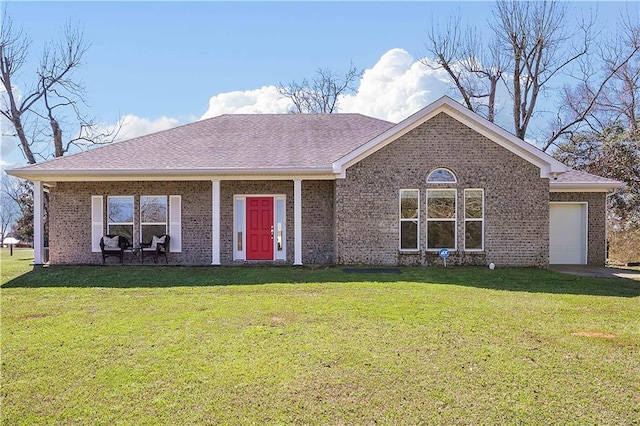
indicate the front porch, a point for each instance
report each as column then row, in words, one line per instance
column 206, row 220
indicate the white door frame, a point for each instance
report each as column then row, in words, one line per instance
column 242, row 254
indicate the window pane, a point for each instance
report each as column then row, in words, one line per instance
column 153, row 209
column 120, row 209
column 409, row 235
column 473, row 204
column 408, row 204
column 279, row 224
column 441, row 175
column 239, row 223
column 473, row 235
column 122, row 230
column 441, row 204
column 148, row 231
column 441, row 234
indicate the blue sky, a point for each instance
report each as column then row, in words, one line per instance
column 168, row 63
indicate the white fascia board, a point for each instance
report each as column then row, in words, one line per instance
column 547, row 164
column 318, row 173
column 584, row 186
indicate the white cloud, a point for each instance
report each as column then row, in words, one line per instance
column 4, row 165
column 396, row 87
column 133, row 126
column 265, row 100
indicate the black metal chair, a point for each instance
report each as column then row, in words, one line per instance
column 117, row 251
column 158, row 246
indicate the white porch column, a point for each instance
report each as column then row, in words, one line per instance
column 297, row 222
column 215, row 222
column 38, row 226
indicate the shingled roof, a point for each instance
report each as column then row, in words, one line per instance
column 284, row 145
column 232, row 142
column 574, row 179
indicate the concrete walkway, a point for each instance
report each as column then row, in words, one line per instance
column 596, row 271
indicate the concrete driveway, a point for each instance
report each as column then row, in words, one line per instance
column 596, row 271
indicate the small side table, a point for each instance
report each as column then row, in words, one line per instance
column 134, row 252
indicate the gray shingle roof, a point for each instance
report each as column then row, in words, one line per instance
column 232, row 142
column 576, row 176
column 256, row 143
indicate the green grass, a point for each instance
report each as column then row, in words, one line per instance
column 172, row 345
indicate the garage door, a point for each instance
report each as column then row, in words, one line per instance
column 568, row 233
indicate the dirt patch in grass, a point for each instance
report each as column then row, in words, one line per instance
column 279, row 319
column 36, row 316
column 594, row 334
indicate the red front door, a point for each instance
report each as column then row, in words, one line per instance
column 259, row 228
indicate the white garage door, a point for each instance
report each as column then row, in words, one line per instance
column 568, row 233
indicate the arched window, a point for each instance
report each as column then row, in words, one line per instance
column 441, row 175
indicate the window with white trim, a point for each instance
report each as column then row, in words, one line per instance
column 441, row 219
column 120, row 216
column 409, row 219
column 280, row 228
column 474, row 219
column 153, row 216
column 238, row 226
column 441, row 175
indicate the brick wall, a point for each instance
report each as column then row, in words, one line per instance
column 596, row 213
column 70, row 210
column 317, row 217
column 230, row 188
column 70, row 223
column 516, row 198
column 317, row 222
column 355, row 220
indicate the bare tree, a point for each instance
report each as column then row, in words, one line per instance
column 8, row 214
column 474, row 69
column 321, row 94
column 530, row 47
column 10, row 209
column 607, row 93
column 53, row 101
column 605, row 135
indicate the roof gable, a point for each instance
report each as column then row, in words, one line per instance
column 548, row 165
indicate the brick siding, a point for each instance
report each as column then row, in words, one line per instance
column 70, row 218
column 516, row 199
column 355, row 220
column 70, row 211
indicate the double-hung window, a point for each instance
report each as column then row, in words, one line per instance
column 120, row 216
column 153, row 216
column 474, row 219
column 441, row 219
column 409, row 219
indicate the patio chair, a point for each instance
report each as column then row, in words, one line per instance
column 113, row 245
column 159, row 246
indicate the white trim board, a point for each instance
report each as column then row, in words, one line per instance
column 547, row 164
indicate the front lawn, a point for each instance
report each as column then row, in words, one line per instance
column 173, row 345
